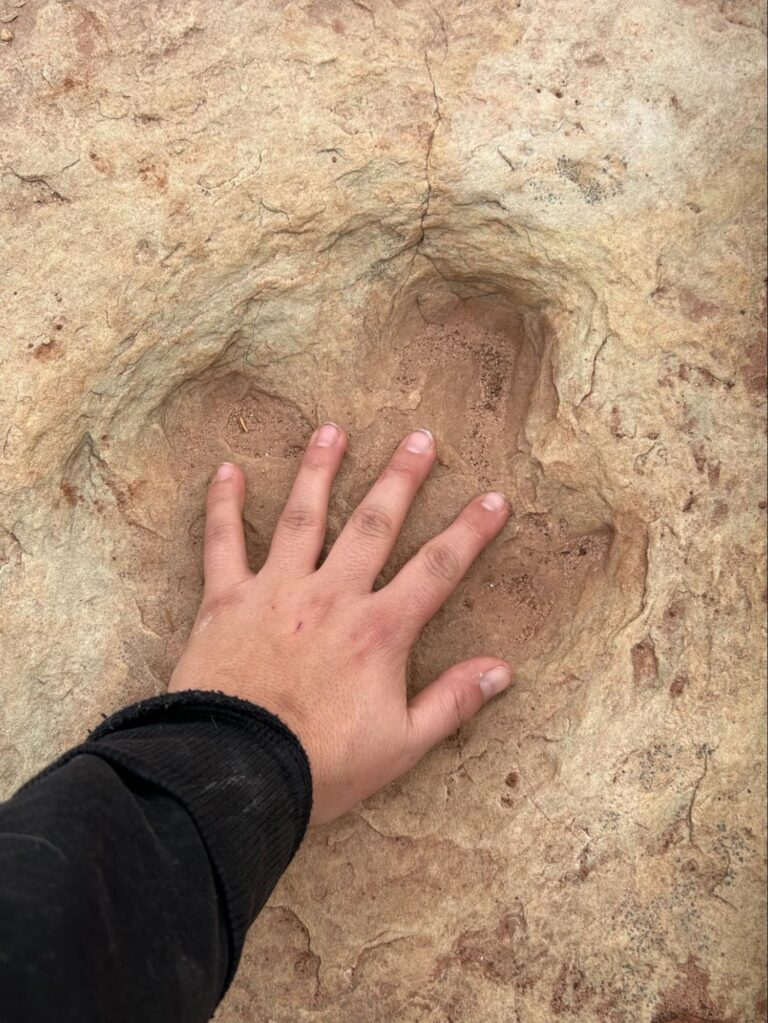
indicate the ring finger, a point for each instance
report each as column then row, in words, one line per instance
column 366, row 541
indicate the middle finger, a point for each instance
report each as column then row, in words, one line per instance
column 366, row 541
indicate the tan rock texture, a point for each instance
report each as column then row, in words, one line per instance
column 535, row 227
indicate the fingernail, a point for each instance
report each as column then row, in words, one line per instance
column 225, row 471
column 494, row 680
column 494, row 502
column 327, row 435
column 419, row 442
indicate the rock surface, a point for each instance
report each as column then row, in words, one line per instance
column 535, row 228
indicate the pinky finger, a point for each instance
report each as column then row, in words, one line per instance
column 225, row 562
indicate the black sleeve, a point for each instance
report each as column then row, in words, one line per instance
column 132, row 867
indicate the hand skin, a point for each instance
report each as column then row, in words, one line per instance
column 317, row 646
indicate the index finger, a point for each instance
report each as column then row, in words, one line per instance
column 423, row 585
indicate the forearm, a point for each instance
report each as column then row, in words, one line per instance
column 133, row 866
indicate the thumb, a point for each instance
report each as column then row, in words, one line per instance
column 453, row 698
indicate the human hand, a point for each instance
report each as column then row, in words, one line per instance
column 317, row 646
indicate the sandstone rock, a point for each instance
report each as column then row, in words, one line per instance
column 536, row 229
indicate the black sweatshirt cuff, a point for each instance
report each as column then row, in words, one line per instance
column 239, row 772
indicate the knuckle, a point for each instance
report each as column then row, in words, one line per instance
column 218, row 497
column 398, row 469
column 220, row 532
column 462, row 707
column 319, row 607
column 371, row 521
column 441, row 561
column 375, row 632
column 216, row 605
column 299, row 520
column 315, row 462
column 474, row 528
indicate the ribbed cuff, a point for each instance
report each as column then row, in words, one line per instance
column 240, row 773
